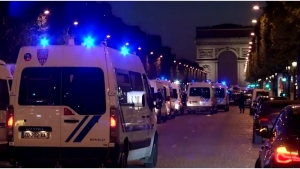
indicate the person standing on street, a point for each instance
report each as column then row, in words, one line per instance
column 242, row 100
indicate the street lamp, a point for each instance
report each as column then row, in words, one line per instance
column 107, row 36
column 75, row 23
column 250, row 43
column 254, row 21
column 250, row 47
column 252, row 34
column 139, row 48
column 127, row 43
column 46, row 12
column 295, row 82
column 151, row 53
column 160, row 56
column 256, row 7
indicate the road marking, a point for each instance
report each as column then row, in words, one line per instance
column 174, row 146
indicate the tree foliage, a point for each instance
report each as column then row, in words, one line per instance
column 277, row 39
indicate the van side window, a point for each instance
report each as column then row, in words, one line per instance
column 130, row 87
column 147, row 89
column 4, row 95
column 83, row 90
column 40, row 86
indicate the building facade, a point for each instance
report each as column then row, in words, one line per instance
column 222, row 52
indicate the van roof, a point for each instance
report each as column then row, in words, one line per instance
column 200, row 84
column 76, row 55
column 219, row 85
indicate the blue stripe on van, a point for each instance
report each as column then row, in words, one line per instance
column 77, row 128
column 87, row 129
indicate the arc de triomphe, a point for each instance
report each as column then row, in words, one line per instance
column 222, row 51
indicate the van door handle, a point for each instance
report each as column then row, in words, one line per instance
column 71, row 121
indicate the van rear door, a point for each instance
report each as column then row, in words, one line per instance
column 37, row 110
column 84, row 121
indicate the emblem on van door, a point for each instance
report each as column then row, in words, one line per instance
column 27, row 57
column 42, row 56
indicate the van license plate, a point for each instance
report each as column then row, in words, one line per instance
column 35, row 135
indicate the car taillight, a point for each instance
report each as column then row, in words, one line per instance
column 10, row 124
column 263, row 119
column 282, row 155
column 113, row 124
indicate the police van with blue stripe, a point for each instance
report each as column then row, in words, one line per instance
column 87, row 104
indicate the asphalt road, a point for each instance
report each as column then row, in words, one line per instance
column 220, row 140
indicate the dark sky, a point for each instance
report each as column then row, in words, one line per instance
column 176, row 22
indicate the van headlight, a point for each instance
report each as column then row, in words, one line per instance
column 177, row 106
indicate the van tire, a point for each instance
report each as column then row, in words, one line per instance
column 152, row 160
column 124, row 156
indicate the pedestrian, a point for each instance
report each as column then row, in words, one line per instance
column 214, row 104
column 242, row 100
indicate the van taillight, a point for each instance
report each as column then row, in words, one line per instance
column 10, row 123
column 113, row 124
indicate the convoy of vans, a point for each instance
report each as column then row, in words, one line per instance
column 69, row 104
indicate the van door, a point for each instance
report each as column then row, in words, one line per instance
column 85, row 119
column 4, row 101
column 37, row 112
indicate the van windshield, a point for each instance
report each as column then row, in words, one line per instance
column 200, row 91
column 4, row 94
column 220, row 92
column 82, row 89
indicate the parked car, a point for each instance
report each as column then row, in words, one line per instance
column 281, row 148
column 266, row 116
column 266, row 98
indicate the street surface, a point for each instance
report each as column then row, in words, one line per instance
column 220, row 140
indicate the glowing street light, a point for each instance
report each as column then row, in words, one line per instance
column 139, row 48
column 249, row 51
column 127, row 44
column 294, row 64
column 248, row 54
column 174, row 61
column 250, row 43
column 151, row 53
column 250, row 47
column 254, row 21
column 160, row 56
column 256, row 7
column 107, row 36
column 46, row 12
column 75, row 23
column 252, row 34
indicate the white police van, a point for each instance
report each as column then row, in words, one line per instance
column 199, row 97
column 5, row 78
column 162, row 109
column 220, row 92
column 176, row 99
column 74, row 104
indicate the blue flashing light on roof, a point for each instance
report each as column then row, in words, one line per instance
column 89, row 42
column 162, row 78
column 223, row 83
column 193, row 80
column 124, row 51
column 44, row 42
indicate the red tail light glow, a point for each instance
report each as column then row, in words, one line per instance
column 263, row 119
column 68, row 112
column 283, row 156
column 10, row 121
column 113, row 122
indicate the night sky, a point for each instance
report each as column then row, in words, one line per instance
column 176, row 22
